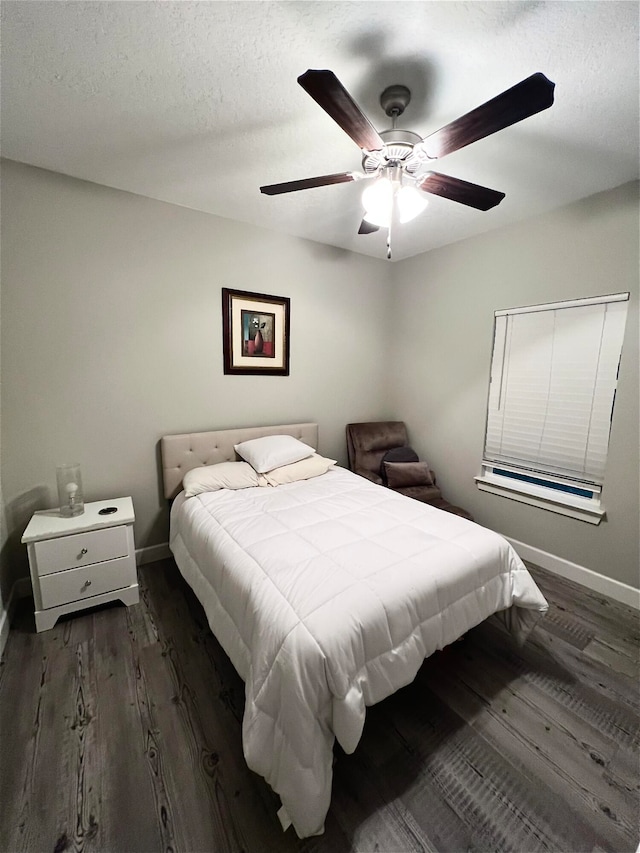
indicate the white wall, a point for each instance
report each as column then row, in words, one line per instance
column 112, row 337
column 4, row 581
column 443, row 336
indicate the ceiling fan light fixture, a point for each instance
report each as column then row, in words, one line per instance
column 377, row 200
column 411, row 203
column 399, row 161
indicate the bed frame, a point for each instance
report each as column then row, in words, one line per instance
column 181, row 453
column 304, row 689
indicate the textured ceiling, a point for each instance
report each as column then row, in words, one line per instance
column 196, row 103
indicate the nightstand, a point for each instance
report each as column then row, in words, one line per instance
column 81, row 561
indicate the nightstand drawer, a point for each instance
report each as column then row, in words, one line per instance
column 80, row 549
column 78, row 584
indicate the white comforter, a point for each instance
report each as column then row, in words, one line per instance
column 327, row 595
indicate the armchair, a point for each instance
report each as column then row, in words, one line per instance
column 380, row 452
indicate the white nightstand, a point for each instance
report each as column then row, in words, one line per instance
column 81, row 561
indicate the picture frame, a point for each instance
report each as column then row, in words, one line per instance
column 255, row 333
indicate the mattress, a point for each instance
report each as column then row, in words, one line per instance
column 327, row 595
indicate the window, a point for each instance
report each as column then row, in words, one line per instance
column 554, row 373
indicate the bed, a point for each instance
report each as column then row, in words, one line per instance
column 327, row 594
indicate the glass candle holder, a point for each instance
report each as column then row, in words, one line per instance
column 70, row 492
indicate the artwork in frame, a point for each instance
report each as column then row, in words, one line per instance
column 255, row 333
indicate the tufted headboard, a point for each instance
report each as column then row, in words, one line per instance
column 181, row 453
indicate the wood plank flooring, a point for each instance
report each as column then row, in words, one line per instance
column 120, row 730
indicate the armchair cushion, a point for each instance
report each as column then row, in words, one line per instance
column 400, row 475
column 399, row 454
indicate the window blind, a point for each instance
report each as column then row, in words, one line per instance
column 554, row 372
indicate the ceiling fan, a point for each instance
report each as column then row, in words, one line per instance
column 400, row 159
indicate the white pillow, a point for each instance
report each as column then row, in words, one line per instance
column 224, row 475
column 312, row 466
column 272, row 451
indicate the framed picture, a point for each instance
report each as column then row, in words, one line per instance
column 255, row 333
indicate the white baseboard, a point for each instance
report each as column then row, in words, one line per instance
column 20, row 589
column 152, row 553
column 617, row 590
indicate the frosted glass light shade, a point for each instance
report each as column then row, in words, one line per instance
column 410, row 203
column 377, row 200
column 70, row 494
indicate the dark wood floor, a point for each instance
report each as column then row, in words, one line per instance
column 120, row 730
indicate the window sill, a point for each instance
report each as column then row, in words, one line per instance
column 584, row 510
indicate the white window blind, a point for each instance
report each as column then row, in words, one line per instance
column 554, row 372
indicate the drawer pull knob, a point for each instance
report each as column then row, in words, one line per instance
column 83, row 552
column 86, row 584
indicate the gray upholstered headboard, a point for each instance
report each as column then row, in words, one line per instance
column 181, row 453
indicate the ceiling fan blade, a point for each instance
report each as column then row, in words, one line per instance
column 308, row 183
column 482, row 198
column 525, row 99
column 327, row 91
column 367, row 227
